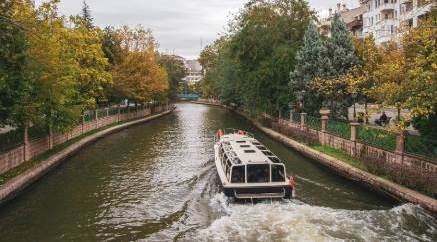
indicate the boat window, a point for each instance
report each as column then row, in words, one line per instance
column 261, row 147
column 278, row 173
column 241, row 141
column 268, row 153
column 244, row 146
column 249, row 151
column 238, row 174
column 275, row 159
column 256, row 143
column 258, row 173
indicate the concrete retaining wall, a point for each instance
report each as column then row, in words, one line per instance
column 12, row 188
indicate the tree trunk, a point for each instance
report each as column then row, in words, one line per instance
column 366, row 118
column 399, row 114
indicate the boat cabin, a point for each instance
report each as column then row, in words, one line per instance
column 245, row 160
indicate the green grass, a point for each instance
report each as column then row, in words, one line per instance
column 4, row 178
column 341, row 155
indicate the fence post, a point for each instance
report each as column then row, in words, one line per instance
column 83, row 121
column 400, row 145
column 96, row 117
column 291, row 116
column 354, row 134
column 26, row 153
column 107, row 112
column 325, row 117
column 302, row 121
column 118, row 114
column 50, row 137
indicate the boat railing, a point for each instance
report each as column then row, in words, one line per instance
column 235, row 131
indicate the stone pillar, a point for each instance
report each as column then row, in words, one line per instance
column 354, row 134
column 291, row 116
column 118, row 113
column 26, row 153
column 83, row 122
column 324, row 119
column 302, row 120
column 50, row 137
column 107, row 112
column 96, row 117
column 400, row 145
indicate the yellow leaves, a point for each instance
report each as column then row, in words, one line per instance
column 139, row 77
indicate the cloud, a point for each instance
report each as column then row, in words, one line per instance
column 178, row 25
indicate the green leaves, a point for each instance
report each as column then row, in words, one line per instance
column 250, row 66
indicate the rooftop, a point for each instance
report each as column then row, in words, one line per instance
column 243, row 149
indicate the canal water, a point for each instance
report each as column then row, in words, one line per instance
column 157, row 182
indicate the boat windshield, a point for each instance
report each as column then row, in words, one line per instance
column 238, row 174
column 259, row 173
column 278, row 173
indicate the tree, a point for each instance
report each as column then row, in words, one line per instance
column 252, row 67
column 391, row 87
column 340, row 49
column 176, row 71
column 111, row 45
column 139, row 77
column 310, row 64
column 340, row 59
column 14, row 85
column 86, row 15
column 85, row 46
column 362, row 77
column 50, row 96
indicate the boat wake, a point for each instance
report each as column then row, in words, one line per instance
column 297, row 221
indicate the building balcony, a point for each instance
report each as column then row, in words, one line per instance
column 387, row 7
column 386, row 22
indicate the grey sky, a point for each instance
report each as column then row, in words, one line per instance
column 180, row 26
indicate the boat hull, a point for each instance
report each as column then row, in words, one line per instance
column 281, row 192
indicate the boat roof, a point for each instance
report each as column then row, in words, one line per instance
column 243, row 149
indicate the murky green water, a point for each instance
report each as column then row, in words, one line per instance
column 157, row 182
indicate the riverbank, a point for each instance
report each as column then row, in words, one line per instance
column 346, row 170
column 11, row 188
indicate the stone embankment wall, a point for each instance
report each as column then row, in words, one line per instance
column 28, row 150
column 354, row 148
column 13, row 187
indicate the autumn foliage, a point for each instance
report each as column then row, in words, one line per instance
column 60, row 66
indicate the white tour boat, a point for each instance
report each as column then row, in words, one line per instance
column 247, row 169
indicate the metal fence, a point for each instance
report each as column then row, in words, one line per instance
column 313, row 122
column 11, row 139
column 418, row 145
column 339, row 127
column 377, row 137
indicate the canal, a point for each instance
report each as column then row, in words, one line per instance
column 157, row 182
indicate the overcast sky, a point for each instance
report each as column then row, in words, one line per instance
column 180, row 26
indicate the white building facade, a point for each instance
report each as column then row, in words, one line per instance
column 385, row 19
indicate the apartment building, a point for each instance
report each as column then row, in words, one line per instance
column 194, row 71
column 386, row 19
column 352, row 17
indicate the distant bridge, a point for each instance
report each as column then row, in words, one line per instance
column 189, row 97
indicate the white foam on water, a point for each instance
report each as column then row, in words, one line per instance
column 297, row 221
